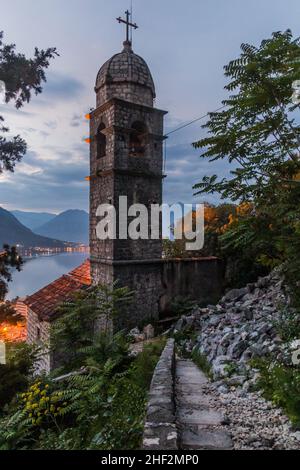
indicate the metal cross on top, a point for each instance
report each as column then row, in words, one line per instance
column 128, row 24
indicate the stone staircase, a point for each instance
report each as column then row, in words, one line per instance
column 180, row 413
column 199, row 424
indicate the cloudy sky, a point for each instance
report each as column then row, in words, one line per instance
column 185, row 44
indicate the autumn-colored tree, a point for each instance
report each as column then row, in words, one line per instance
column 215, row 219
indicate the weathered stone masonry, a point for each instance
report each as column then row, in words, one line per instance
column 130, row 165
column 199, row 279
column 160, row 431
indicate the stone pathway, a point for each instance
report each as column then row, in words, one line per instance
column 200, row 426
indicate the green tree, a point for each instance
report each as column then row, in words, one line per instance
column 21, row 77
column 9, row 258
column 258, row 133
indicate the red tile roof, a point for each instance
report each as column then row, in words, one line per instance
column 45, row 302
column 83, row 273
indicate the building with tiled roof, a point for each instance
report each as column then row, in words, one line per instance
column 45, row 302
column 42, row 307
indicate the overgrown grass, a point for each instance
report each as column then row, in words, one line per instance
column 201, row 361
column 142, row 369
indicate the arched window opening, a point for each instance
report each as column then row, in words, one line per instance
column 101, row 141
column 138, row 139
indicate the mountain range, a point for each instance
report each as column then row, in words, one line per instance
column 12, row 232
column 71, row 225
column 33, row 220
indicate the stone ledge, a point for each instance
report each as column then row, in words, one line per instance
column 113, row 101
column 114, row 262
column 160, row 432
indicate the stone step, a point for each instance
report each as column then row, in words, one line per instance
column 185, row 363
column 188, row 371
column 191, row 380
column 204, row 417
column 196, row 416
column 188, row 389
column 204, row 439
column 193, row 399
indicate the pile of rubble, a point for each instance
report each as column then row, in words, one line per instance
column 240, row 327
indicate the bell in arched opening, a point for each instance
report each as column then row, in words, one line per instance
column 138, row 139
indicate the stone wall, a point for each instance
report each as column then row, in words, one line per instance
column 145, row 281
column 38, row 332
column 200, row 279
column 157, row 283
column 160, row 432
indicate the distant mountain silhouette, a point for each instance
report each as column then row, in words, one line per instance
column 33, row 220
column 71, row 225
column 12, row 232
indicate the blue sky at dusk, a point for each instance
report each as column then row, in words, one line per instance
column 185, row 45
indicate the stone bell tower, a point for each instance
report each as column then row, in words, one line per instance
column 126, row 159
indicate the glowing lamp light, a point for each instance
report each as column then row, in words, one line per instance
column 87, row 140
column 88, row 116
column 87, row 178
column 12, row 333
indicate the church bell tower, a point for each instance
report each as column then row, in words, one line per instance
column 126, row 159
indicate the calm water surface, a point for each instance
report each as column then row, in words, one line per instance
column 38, row 272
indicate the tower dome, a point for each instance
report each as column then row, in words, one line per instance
column 126, row 76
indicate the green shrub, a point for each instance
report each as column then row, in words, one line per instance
column 231, row 368
column 128, row 394
column 124, row 418
column 73, row 338
column 182, row 338
column 182, row 306
column 281, row 385
column 142, row 368
column 15, row 374
column 99, row 407
column 288, row 325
